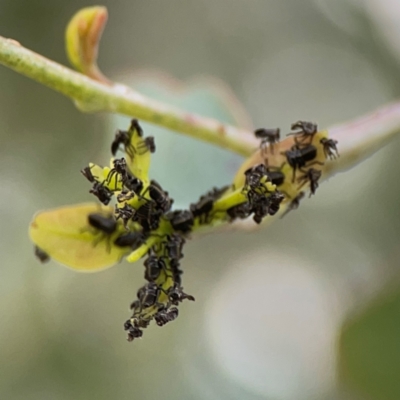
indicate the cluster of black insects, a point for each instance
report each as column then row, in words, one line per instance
column 159, row 297
column 163, row 260
column 301, row 156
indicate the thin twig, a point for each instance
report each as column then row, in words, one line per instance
column 92, row 96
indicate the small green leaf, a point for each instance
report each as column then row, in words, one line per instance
column 64, row 234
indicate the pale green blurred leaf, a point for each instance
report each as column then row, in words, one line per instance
column 370, row 351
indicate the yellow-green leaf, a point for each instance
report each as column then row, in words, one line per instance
column 64, row 234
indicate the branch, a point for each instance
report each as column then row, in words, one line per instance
column 358, row 140
column 93, row 96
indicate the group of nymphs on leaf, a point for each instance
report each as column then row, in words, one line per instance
column 142, row 223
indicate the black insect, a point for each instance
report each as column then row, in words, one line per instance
column 149, row 296
column 125, row 213
column 136, row 127
column 101, row 192
column 176, row 272
column 202, row 208
column 160, row 197
column 133, row 331
column 263, row 206
column 216, row 193
column 41, row 255
column 330, row 149
column 254, row 176
column 131, row 239
column 275, row 174
column 174, row 246
column 181, row 220
column 125, row 195
column 105, row 225
column 147, row 144
column 154, row 265
column 267, row 136
column 165, row 316
column 307, row 130
column 294, row 204
column 135, row 305
column 87, row 173
column 205, row 204
column 275, row 201
column 260, row 207
column 298, row 157
column 123, row 138
column 312, row 176
column 239, row 211
column 148, row 215
column 132, row 183
column 177, row 295
column 121, row 169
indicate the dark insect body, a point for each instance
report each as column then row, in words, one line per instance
column 41, row 255
column 125, row 195
column 276, row 199
column 260, row 208
column 101, row 192
column 181, row 220
column 147, row 144
column 120, row 168
column 268, row 137
column 216, row 192
column 148, row 215
column 174, row 246
column 312, row 175
column 239, row 211
column 160, row 197
column 126, row 213
column 123, row 138
column 254, row 175
column 105, row 224
column 263, row 206
column 205, row 204
column 149, row 296
column 276, row 177
column 163, row 317
column 87, row 173
column 330, row 149
column 129, row 181
column 136, row 127
column 307, row 131
column 132, row 183
column 306, row 128
column 153, row 267
column 131, row 239
column 298, row 157
column 177, row 295
column 202, row 207
column 176, row 272
column 133, row 331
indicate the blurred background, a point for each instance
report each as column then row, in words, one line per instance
column 308, row 308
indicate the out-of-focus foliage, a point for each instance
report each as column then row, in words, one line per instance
column 371, row 350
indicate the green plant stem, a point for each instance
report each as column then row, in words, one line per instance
column 92, row 96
